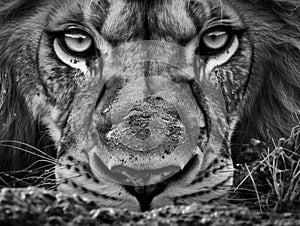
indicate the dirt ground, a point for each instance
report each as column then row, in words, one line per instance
column 34, row 206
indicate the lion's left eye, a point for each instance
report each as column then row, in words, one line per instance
column 215, row 40
column 76, row 42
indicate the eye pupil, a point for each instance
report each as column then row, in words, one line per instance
column 213, row 36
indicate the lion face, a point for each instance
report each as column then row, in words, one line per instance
column 139, row 123
column 140, row 98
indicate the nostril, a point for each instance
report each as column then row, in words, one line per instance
column 141, row 178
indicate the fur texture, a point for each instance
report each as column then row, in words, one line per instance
column 271, row 113
column 17, row 123
column 273, row 109
column 273, row 90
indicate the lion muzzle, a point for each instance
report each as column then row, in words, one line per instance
column 149, row 130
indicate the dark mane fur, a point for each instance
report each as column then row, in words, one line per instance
column 271, row 113
column 276, row 108
column 16, row 122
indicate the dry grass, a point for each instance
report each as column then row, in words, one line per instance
column 272, row 182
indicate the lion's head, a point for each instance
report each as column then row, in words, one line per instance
column 142, row 102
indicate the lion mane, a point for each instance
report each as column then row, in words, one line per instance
column 18, row 128
column 274, row 111
column 274, row 92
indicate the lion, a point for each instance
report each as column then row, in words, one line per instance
column 143, row 104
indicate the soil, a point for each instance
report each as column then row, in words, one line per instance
column 34, row 206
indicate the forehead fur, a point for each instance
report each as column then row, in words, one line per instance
column 119, row 17
column 123, row 20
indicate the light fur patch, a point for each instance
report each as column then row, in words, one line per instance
column 173, row 14
column 116, row 18
column 50, row 121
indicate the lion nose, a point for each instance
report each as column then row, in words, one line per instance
column 141, row 178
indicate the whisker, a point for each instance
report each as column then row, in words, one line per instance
column 48, row 185
column 4, row 181
column 27, row 169
column 51, row 160
column 53, row 187
column 15, row 180
column 47, row 176
column 30, row 146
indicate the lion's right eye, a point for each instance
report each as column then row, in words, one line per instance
column 73, row 47
column 76, row 42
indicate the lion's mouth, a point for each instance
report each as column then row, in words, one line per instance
column 138, row 183
column 145, row 194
